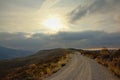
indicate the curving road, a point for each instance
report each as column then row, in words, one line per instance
column 82, row 68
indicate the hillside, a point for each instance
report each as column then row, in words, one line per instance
column 34, row 67
column 46, row 62
column 106, row 57
column 8, row 53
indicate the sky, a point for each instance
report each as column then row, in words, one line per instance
column 36, row 24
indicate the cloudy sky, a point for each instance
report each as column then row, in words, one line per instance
column 36, row 24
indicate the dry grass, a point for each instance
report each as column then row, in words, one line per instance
column 35, row 67
column 108, row 58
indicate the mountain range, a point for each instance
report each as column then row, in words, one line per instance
column 9, row 53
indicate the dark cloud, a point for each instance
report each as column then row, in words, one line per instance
column 86, row 39
column 101, row 6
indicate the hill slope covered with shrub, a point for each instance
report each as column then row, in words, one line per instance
column 34, row 67
column 108, row 58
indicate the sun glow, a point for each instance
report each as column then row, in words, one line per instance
column 54, row 24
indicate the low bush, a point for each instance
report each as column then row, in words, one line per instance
column 108, row 58
column 37, row 70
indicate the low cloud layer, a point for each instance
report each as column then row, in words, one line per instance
column 86, row 39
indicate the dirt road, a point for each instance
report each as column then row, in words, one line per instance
column 83, row 68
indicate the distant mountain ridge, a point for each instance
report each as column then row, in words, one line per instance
column 9, row 53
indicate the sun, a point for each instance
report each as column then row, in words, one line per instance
column 54, row 24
